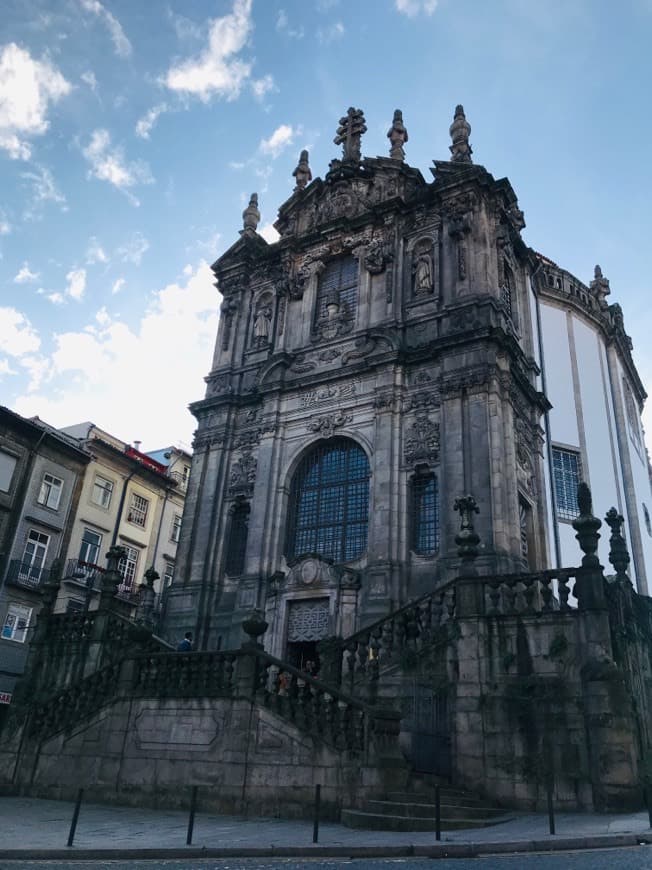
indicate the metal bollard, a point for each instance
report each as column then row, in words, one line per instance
column 648, row 801
column 437, row 813
column 551, row 810
column 315, row 827
column 191, row 818
column 75, row 817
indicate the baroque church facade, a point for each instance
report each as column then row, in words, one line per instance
column 398, row 347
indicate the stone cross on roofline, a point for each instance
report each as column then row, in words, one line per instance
column 349, row 134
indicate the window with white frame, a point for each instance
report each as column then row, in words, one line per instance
column 567, row 473
column 91, row 544
column 50, row 491
column 16, row 623
column 7, row 468
column 138, row 508
column 168, row 574
column 176, row 529
column 33, row 561
column 127, row 567
column 102, row 491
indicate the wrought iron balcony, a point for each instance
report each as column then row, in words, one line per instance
column 85, row 573
column 27, row 574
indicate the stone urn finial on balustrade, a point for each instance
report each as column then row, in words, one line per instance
column 254, row 627
column 112, row 577
column 147, row 598
column 618, row 553
column 467, row 539
column 589, row 586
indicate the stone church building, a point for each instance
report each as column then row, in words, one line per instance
column 388, row 558
column 398, row 347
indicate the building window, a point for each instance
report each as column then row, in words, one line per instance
column 329, row 502
column 74, row 605
column 33, row 563
column 127, row 567
column 425, row 514
column 138, row 510
column 168, row 574
column 176, row 529
column 16, row 623
column 632, row 414
column 338, row 286
column 7, row 467
column 237, row 545
column 567, row 472
column 50, row 491
column 646, row 517
column 507, row 290
column 102, row 491
column 91, row 544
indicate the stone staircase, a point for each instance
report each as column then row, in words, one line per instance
column 414, row 810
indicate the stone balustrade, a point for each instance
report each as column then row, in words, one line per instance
column 529, row 593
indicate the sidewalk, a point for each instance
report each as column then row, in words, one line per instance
column 34, row 828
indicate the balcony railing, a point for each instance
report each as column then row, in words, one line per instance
column 85, row 573
column 27, row 574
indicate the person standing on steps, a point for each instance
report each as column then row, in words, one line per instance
column 186, row 644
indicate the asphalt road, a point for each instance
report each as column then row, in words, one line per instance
column 638, row 858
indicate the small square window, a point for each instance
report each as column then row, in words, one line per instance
column 50, row 491
column 138, row 510
column 176, row 529
column 16, row 623
column 567, row 471
column 102, row 491
column 7, row 467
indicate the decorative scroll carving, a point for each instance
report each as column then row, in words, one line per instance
column 326, row 425
column 207, row 439
column 423, row 400
column 422, row 440
column 243, row 474
column 375, row 257
column 217, row 384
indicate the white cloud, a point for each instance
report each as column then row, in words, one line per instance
column 25, row 275
column 118, row 284
column 27, row 87
column 268, row 232
column 5, row 368
column 412, row 8
column 18, row 335
column 120, row 42
column 88, row 78
column 91, row 373
column 5, row 226
column 133, row 250
column 55, row 298
column 95, row 253
column 43, row 189
column 330, row 34
column 283, row 26
column 261, row 87
column 145, row 124
column 109, row 164
column 278, row 141
column 76, row 279
column 217, row 70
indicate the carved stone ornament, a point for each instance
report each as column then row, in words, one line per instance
column 422, row 268
column 327, row 425
column 207, row 439
column 423, row 400
column 216, row 385
column 314, row 572
column 243, row 474
column 398, row 136
column 422, row 440
column 375, row 259
column 349, row 134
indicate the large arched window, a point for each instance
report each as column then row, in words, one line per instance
column 329, row 502
column 338, row 286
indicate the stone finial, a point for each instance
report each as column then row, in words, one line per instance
column 586, row 526
column 349, row 134
column 145, row 612
column 398, row 136
column 600, row 287
column 251, row 215
column 255, row 626
column 618, row 554
column 460, row 130
column 302, row 173
column 467, row 539
column 112, row 578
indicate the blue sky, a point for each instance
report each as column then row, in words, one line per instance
column 132, row 133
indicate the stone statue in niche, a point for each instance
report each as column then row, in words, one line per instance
column 422, row 268
column 262, row 322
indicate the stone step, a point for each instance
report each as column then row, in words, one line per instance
column 452, row 798
column 427, row 810
column 380, row 822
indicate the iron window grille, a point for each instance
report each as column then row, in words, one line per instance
column 50, row 491
column 138, row 510
column 329, row 502
column 567, row 474
column 237, row 544
column 339, row 282
column 425, row 514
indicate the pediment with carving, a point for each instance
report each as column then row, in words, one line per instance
column 312, row 571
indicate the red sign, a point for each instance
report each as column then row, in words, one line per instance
column 5, row 697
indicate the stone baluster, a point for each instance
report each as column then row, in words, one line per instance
column 147, row 598
column 529, row 592
column 494, row 595
column 618, row 553
column 546, row 593
column 589, row 585
column 563, row 592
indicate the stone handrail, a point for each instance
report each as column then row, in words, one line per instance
column 359, row 659
column 529, row 593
